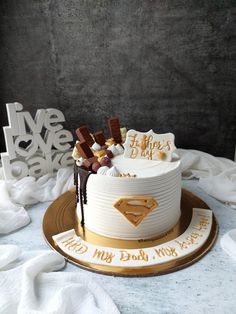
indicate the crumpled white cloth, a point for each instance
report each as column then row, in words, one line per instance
column 15, row 195
column 29, row 285
column 217, row 176
column 228, row 243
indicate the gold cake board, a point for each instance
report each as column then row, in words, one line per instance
column 61, row 216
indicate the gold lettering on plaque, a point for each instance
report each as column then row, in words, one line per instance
column 151, row 146
column 192, row 239
column 202, row 224
column 126, row 256
column 143, row 144
column 166, row 251
column 103, row 256
column 73, row 245
column 134, row 153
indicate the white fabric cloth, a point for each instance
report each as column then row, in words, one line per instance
column 228, row 243
column 217, row 176
column 15, row 195
column 29, row 285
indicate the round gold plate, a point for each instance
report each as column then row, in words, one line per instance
column 61, row 216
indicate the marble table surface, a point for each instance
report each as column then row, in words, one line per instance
column 208, row 286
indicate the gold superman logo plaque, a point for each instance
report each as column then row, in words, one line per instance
column 135, row 208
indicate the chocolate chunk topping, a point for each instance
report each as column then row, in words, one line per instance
column 95, row 166
column 105, row 161
column 114, row 127
column 84, row 150
column 88, row 162
column 99, row 138
column 83, row 135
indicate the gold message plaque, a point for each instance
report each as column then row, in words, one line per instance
column 60, row 217
column 135, row 208
column 149, row 145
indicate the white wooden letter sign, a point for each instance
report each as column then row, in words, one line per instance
column 35, row 146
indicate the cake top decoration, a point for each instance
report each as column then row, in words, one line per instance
column 149, row 145
column 93, row 151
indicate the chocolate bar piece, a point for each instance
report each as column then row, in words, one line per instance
column 89, row 162
column 114, row 126
column 84, row 150
column 99, row 138
column 84, row 135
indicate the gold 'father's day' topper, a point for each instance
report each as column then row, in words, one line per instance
column 149, row 145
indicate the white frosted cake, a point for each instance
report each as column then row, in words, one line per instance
column 121, row 195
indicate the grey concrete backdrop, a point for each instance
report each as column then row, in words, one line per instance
column 167, row 65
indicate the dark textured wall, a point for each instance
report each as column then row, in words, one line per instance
column 167, row 65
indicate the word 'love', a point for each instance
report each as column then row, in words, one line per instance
column 35, row 146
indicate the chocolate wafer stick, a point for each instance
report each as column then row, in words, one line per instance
column 99, row 138
column 114, row 127
column 84, row 150
column 84, row 135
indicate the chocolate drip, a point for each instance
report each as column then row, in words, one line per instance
column 83, row 175
column 76, row 181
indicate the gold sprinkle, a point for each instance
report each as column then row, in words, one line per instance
column 110, row 141
column 125, row 175
column 100, row 153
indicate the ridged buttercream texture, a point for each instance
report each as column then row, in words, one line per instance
column 160, row 180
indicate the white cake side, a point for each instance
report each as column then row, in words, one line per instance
column 159, row 180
